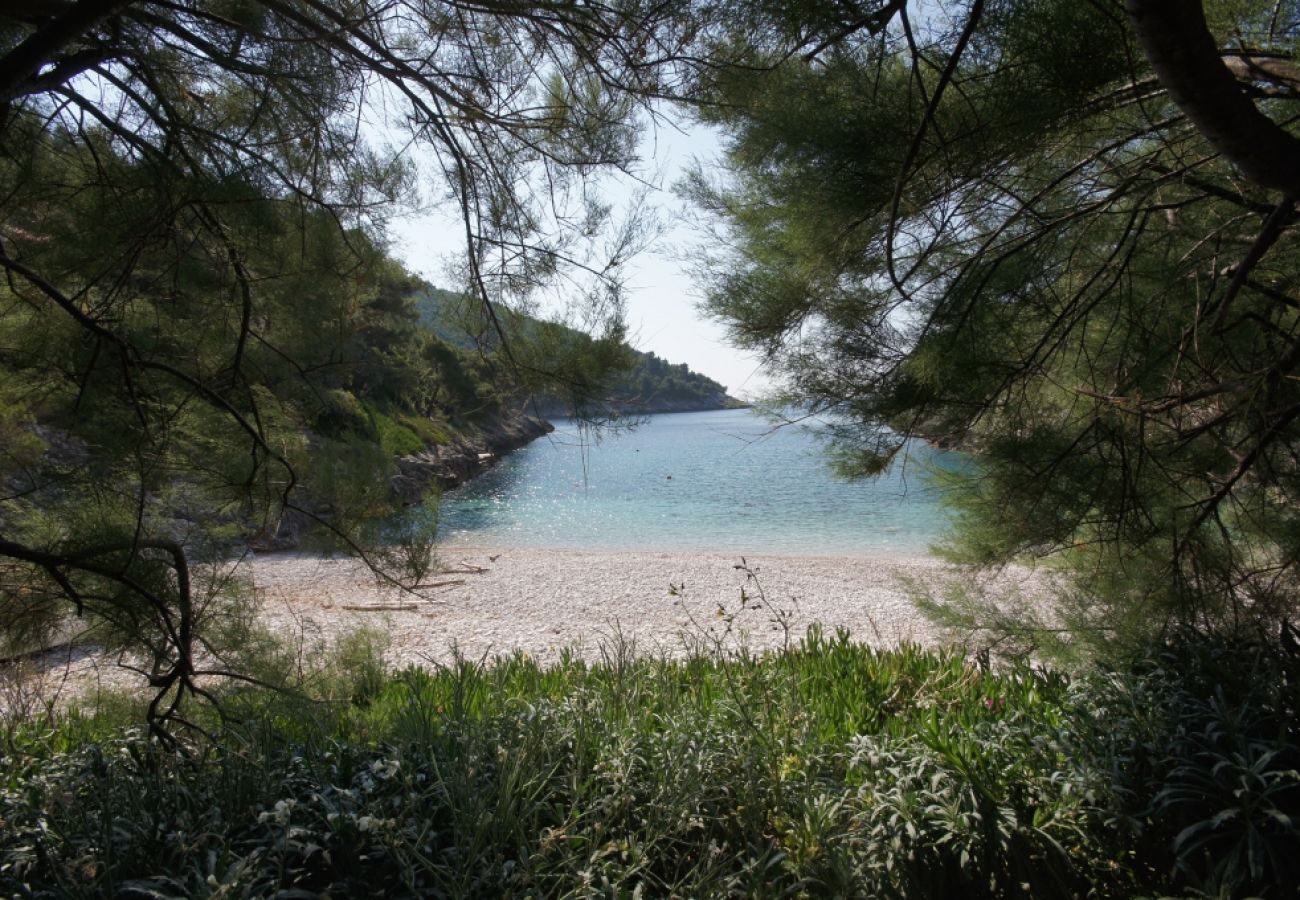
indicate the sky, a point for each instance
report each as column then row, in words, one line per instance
column 661, row 312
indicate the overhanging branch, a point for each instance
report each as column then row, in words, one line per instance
column 1178, row 44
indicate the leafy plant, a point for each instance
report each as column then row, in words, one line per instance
column 705, row 776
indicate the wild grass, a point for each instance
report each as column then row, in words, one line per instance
column 829, row 769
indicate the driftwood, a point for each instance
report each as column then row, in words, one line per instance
column 437, row 584
column 379, row 607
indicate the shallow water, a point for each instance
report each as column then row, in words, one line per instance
column 720, row 481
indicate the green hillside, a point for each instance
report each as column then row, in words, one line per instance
column 644, row 382
column 654, row 383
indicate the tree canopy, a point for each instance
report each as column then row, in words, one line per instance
column 1060, row 234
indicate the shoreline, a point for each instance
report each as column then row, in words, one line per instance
column 868, row 556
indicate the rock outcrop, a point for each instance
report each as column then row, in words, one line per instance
column 477, row 448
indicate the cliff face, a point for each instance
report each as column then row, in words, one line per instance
column 476, row 449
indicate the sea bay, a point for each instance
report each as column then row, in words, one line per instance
column 723, row 481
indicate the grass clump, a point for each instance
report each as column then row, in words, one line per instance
column 828, row 769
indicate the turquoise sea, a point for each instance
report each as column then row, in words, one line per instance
column 724, row 481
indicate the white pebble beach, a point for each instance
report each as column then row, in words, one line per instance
column 489, row 602
column 540, row 601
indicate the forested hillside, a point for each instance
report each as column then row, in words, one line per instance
column 201, row 336
column 656, row 384
column 642, row 382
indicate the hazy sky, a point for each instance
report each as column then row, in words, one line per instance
column 661, row 305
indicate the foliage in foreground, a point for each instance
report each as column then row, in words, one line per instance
column 1012, row 227
column 830, row 769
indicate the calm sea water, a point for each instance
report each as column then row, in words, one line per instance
column 720, row 481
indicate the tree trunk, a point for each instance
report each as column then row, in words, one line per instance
column 43, row 46
column 1178, row 44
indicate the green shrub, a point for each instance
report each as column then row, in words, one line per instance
column 341, row 413
column 829, row 769
column 431, row 433
column 1205, row 744
column 396, row 438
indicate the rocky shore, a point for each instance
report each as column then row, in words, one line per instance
column 477, row 448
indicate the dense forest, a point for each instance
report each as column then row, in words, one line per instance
column 1062, row 235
